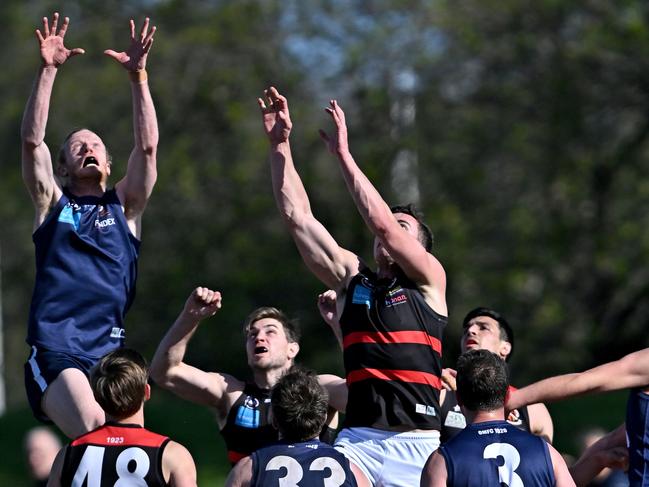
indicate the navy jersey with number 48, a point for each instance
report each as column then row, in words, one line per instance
column 308, row 464
column 497, row 453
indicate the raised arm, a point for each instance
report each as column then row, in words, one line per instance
column 167, row 367
column 630, row 371
column 404, row 247
column 332, row 264
column 141, row 173
column 38, row 173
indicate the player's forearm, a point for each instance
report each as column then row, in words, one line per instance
column 172, row 348
column 290, row 195
column 145, row 123
column 550, row 390
column 32, row 130
column 370, row 204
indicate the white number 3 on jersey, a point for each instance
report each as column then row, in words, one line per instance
column 512, row 460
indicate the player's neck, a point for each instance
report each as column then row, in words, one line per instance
column 137, row 418
column 86, row 187
column 267, row 378
column 484, row 416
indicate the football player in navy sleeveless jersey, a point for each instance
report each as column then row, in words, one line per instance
column 485, row 328
column 272, row 343
column 392, row 317
column 299, row 409
column 122, row 451
column 490, row 451
column 86, row 236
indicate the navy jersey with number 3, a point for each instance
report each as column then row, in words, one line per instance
column 308, row 464
column 496, row 453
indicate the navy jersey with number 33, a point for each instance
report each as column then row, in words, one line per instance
column 308, row 464
column 496, row 453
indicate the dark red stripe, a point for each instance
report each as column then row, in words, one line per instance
column 397, row 375
column 420, row 337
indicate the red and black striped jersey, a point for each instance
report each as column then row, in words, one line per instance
column 392, row 343
column 115, row 454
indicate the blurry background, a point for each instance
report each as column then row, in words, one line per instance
column 520, row 128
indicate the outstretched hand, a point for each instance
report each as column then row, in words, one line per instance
column 203, row 303
column 277, row 121
column 337, row 145
column 53, row 52
column 134, row 58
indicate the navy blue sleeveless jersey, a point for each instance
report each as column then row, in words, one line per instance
column 497, row 453
column 392, row 349
column 115, row 454
column 86, row 267
column 306, row 464
column 453, row 420
column 637, row 431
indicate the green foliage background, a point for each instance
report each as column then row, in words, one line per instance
column 519, row 126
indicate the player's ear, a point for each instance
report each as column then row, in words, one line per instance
column 293, row 349
column 505, row 349
column 147, row 392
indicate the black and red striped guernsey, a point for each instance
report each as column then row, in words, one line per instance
column 114, row 452
column 392, row 343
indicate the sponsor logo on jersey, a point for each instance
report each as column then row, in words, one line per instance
column 395, row 297
column 427, row 410
column 70, row 214
column 247, row 414
column 362, row 295
column 455, row 419
column 117, row 332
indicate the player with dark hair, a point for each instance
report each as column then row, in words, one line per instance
column 392, row 319
column 485, row 328
column 122, row 451
column 242, row 407
column 86, row 236
column 299, row 409
column 489, row 451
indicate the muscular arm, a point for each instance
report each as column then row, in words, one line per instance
column 420, row 266
column 37, row 171
column 541, row 421
column 330, row 263
column 561, row 474
column 178, row 466
column 241, row 474
column 168, row 369
column 630, row 371
column 434, row 473
column 135, row 188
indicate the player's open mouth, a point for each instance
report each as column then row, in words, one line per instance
column 259, row 350
column 470, row 342
column 90, row 160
